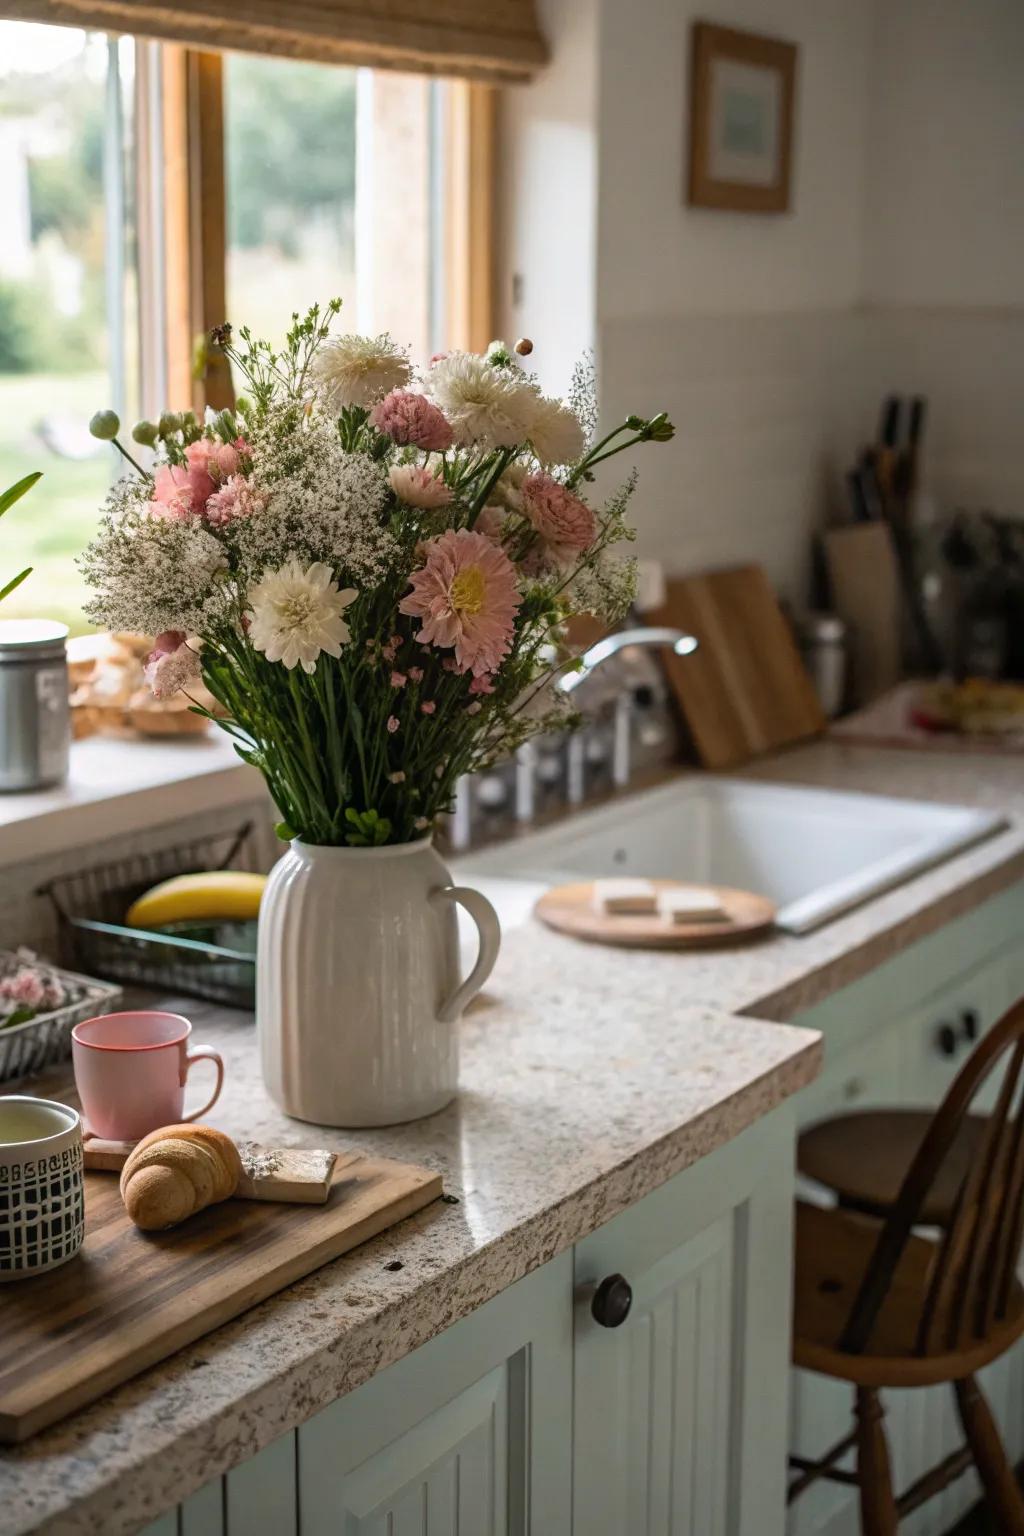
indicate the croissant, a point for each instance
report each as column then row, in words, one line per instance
column 178, row 1170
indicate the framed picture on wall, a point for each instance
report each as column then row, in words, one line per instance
column 741, row 120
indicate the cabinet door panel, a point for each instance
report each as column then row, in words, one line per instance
column 680, row 1412
column 470, row 1433
column 444, row 1476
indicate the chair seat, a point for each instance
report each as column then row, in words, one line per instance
column 833, row 1250
column 864, row 1156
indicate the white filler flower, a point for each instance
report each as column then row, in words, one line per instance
column 359, row 370
column 295, row 614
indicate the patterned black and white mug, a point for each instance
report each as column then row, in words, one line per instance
column 42, row 1203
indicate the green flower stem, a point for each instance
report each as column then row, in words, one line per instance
column 133, row 462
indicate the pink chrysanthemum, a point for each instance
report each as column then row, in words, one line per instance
column 235, row 499
column 410, row 420
column 467, row 598
column 565, row 523
column 417, row 486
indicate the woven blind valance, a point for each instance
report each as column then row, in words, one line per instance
column 496, row 40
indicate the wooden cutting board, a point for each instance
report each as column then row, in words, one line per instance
column 746, row 690
column 131, row 1298
column 570, row 909
column 864, row 579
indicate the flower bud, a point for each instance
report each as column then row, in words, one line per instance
column 498, row 355
column 169, row 423
column 524, row 346
column 145, row 432
column 659, row 429
column 105, row 425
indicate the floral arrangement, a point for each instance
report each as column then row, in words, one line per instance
column 370, row 569
column 28, row 988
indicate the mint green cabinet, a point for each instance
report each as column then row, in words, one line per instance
column 529, row 1419
column 470, row 1434
column 680, row 1412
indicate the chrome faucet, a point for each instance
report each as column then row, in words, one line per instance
column 681, row 643
column 461, row 828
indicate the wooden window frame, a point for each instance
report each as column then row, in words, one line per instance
column 194, row 220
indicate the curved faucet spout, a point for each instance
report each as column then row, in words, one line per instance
column 679, row 641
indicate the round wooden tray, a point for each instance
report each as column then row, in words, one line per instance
column 570, row 909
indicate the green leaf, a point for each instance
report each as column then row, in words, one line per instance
column 18, row 490
column 19, row 1016
column 15, row 581
column 284, row 831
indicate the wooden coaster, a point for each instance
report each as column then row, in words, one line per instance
column 570, row 909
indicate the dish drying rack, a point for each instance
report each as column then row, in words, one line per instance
column 217, row 961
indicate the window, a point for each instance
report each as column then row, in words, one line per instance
column 151, row 192
column 68, row 291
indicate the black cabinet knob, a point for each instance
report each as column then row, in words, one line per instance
column 947, row 1039
column 612, row 1301
column 970, row 1024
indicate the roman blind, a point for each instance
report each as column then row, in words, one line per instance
column 496, row 40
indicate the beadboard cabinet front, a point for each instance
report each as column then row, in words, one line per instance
column 680, row 1410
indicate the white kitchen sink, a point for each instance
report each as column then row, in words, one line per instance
column 815, row 852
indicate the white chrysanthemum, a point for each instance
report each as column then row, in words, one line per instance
column 294, row 614
column 491, row 407
column 555, row 433
column 359, row 370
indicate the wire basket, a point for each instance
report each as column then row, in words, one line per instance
column 215, row 961
column 46, row 1039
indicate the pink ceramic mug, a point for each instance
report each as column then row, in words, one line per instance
column 130, row 1070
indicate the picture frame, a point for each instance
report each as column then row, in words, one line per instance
column 742, row 102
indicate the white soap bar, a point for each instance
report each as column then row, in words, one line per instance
column 691, row 904
column 635, row 898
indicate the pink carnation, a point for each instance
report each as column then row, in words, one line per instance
column 235, row 499
column 466, row 597
column 481, row 684
column 171, row 665
column 564, row 522
column 417, row 486
column 428, row 707
column 411, row 420
column 173, row 494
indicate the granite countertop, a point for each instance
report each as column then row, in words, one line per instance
column 589, row 1077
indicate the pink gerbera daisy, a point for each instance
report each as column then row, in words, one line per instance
column 467, row 598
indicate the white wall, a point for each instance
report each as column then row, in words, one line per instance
column 737, row 324
column 548, row 205
column 770, row 339
column 945, row 205
column 944, row 236
column 658, row 256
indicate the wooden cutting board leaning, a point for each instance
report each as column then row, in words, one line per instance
column 745, row 691
column 132, row 1298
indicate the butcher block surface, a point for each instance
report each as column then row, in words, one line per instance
column 131, row 1298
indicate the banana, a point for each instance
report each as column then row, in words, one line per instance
column 221, row 894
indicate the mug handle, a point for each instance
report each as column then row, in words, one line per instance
column 204, row 1053
column 489, row 929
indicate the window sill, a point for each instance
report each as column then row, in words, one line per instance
column 116, row 787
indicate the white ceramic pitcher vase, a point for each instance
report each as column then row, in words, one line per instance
column 358, row 990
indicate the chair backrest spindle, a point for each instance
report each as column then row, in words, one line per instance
column 973, row 1273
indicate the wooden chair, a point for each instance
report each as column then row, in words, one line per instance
column 880, row 1305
